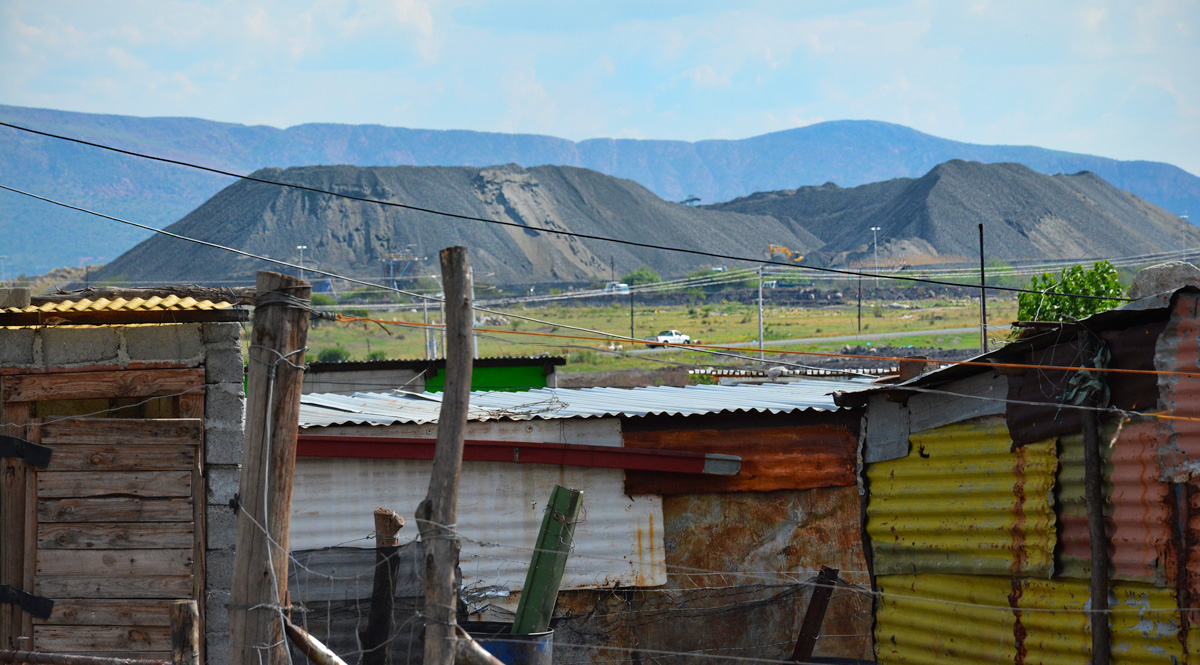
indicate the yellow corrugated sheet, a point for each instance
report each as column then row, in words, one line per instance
column 964, row 502
column 123, row 305
column 950, row 619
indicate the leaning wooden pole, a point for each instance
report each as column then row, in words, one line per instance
column 438, row 513
column 260, row 569
column 1093, row 487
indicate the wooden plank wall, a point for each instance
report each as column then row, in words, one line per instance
column 113, row 528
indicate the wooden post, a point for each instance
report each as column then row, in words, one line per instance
column 377, row 634
column 536, row 606
column 1093, row 487
column 185, row 632
column 438, row 513
column 260, row 568
column 814, row 616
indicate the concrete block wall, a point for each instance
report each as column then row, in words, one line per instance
column 217, row 348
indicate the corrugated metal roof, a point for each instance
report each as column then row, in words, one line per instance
column 323, row 410
column 154, row 303
column 964, row 502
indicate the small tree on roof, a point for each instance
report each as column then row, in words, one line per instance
column 1099, row 280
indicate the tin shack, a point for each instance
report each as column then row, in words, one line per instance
column 708, row 510
column 976, row 525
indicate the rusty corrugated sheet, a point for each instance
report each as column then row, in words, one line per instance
column 963, row 501
column 779, row 452
column 1137, row 508
column 948, row 619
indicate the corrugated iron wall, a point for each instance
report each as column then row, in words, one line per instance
column 963, row 501
column 991, row 619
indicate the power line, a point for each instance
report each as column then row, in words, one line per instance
column 573, row 234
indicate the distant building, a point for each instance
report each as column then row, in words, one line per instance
column 421, row 375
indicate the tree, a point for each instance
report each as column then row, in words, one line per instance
column 643, row 275
column 1099, row 280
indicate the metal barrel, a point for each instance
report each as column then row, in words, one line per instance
column 497, row 638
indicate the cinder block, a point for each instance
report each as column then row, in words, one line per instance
column 216, row 647
column 218, row 570
column 217, row 333
column 172, row 343
column 220, row 527
column 78, row 346
column 222, row 481
column 222, row 445
column 223, row 364
column 16, row 347
column 216, row 614
column 225, row 405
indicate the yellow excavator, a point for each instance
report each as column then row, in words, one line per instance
column 777, row 252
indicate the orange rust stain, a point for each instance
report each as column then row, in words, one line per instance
column 1018, row 527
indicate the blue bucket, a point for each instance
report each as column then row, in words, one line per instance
column 497, row 638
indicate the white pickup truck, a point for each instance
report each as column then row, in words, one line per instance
column 668, row 337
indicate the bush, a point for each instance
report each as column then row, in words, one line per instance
column 333, row 355
column 643, row 275
column 376, row 355
column 1099, row 280
column 322, row 300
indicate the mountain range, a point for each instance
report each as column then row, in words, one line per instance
column 1027, row 215
column 37, row 236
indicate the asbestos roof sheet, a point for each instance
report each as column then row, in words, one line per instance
column 327, row 409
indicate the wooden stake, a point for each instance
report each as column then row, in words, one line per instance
column 377, row 635
column 185, row 632
column 260, row 568
column 814, row 616
column 438, row 513
column 540, row 593
column 1093, row 488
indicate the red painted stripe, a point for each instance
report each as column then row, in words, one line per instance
column 605, row 457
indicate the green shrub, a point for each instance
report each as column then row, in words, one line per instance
column 333, row 355
column 1099, row 280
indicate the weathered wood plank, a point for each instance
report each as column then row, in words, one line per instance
column 63, row 484
column 107, row 563
column 114, row 587
column 124, row 458
column 133, row 535
column 84, row 639
column 12, row 516
column 190, row 405
column 115, row 510
column 124, row 431
column 109, row 613
column 88, row 385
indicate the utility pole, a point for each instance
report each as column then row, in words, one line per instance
column 438, row 513
column 860, row 303
column 761, row 354
column 471, row 288
column 425, row 318
column 3, row 273
column 983, row 340
column 612, row 270
column 276, row 371
column 631, row 335
column 301, row 248
column 875, row 241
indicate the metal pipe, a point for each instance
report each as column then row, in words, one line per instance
column 10, row 656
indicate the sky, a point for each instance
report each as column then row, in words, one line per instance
column 1118, row 79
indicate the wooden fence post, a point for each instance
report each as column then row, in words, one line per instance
column 814, row 616
column 185, row 632
column 260, row 568
column 549, row 561
column 383, row 592
column 438, row 513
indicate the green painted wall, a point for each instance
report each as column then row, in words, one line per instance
column 495, row 378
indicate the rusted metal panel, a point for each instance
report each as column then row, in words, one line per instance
column 964, row 501
column 1138, row 505
column 1179, row 351
column 948, row 619
column 886, row 433
column 1132, row 347
column 972, row 397
column 773, row 458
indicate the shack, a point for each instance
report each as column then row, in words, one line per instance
column 708, row 510
column 976, row 525
column 122, row 431
column 414, row 375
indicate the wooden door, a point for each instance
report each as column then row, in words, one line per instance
column 114, row 525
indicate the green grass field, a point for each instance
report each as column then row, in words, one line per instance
column 712, row 323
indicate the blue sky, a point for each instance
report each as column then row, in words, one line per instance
column 1120, row 79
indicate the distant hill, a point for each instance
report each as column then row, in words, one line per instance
column 353, row 238
column 1027, row 215
column 37, row 237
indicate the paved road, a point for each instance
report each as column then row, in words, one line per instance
column 837, row 338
